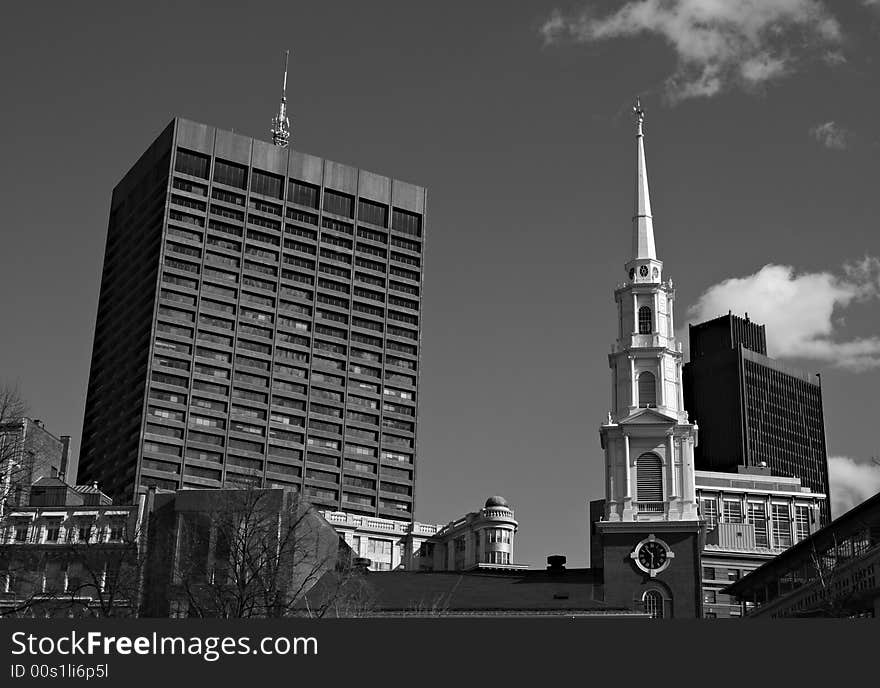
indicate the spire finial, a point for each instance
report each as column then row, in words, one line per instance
column 640, row 115
column 280, row 123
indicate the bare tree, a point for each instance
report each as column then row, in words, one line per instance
column 77, row 578
column 256, row 553
column 13, row 458
column 24, row 457
column 835, row 594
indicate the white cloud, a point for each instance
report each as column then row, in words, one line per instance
column 798, row 310
column 852, row 482
column 718, row 43
column 831, row 135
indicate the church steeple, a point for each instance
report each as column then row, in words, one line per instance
column 650, row 525
column 643, row 224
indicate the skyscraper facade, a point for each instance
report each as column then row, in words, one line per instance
column 752, row 410
column 258, row 324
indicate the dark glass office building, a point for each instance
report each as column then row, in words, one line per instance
column 751, row 409
column 258, row 324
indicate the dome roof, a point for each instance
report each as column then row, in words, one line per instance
column 496, row 501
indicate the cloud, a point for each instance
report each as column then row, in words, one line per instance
column 798, row 310
column 852, row 482
column 718, row 44
column 831, row 135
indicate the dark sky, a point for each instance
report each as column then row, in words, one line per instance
column 528, row 153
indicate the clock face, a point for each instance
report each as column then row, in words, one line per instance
column 652, row 555
column 643, row 271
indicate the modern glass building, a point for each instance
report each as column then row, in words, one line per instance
column 752, row 410
column 258, row 324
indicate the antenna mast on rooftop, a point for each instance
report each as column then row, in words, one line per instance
column 280, row 123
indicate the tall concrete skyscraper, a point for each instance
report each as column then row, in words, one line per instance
column 259, row 323
column 754, row 411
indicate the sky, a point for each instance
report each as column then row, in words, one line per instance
column 761, row 145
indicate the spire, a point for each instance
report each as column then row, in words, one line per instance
column 643, row 224
column 280, row 123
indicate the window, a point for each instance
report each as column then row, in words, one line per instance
column 709, row 573
column 190, row 187
column 647, row 390
column 227, row 197
column 117, row 531
column 733, row 511
column 406, row 222
column 374, row 213
column 758, row 517
column 230, row 174
column 21, row 531
column 165, row 413
column 53, row 529
column 781, row 525
column 649, row 478
column 709, row 512
column 193, row 164
column 396, row 456
column 338, row 203
column 267, row 184
column 653, row 602
column 645, row 324
column 303, row 194
column 802, row 521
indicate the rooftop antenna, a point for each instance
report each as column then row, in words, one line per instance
column 280, row 123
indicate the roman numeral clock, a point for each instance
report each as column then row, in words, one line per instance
column 652, row 555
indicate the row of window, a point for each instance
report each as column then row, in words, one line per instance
column 302, row 193
column 780, row 527
column 51, row 530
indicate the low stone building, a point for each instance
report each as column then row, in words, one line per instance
column 478, row 540
column 70, row 552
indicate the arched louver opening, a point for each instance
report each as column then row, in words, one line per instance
column 647, row 390
column 646, row 326
column 649, row 478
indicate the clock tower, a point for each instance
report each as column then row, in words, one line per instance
column 648, row 534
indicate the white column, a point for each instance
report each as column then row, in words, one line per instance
column 632, row 382
column 635, row 313
column 673, row 487
column 661, row 382
column 656, row 314
column 628, row 468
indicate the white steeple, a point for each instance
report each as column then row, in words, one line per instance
column 643, row 224
column 647, row 436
